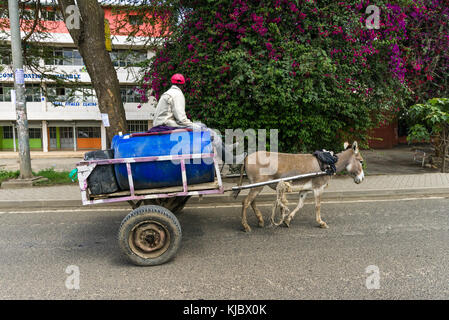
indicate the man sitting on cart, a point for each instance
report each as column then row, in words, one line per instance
column 171, row 114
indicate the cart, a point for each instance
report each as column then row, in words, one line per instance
column 151, row 234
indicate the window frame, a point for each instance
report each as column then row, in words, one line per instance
column 92, row 132
column 127, row 97
column 33, row 90
column 64, row 57
column 5, row 93
column 126, row 58
column 135, row 126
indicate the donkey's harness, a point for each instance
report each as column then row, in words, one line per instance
column 327, row 161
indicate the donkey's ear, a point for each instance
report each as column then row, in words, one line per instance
column 355, row 147
column 345, row 145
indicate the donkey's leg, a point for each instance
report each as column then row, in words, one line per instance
column 246, row 203
column 284, row 207
column 302, row 197
column 318, row 192
column 258, row 214
column 273, row 212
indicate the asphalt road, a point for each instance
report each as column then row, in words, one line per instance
column 406, row 240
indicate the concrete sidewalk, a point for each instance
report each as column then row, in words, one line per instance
column 398, row 160
column 339, row 189
column 57, row 160
column 44, row 155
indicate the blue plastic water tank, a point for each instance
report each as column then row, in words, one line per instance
column 158, row 174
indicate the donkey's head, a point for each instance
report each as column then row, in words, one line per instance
column 354, row 162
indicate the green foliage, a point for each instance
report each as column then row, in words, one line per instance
column 429, row 119
column 296, row 66
column 54, row 177
column 418, row 132
column 6, row 175
column 434, row 114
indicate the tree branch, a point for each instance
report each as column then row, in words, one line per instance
column 35, row 22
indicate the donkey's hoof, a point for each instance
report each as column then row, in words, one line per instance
column 246, row 228
column 261, row 224
column 323, row 225
column 286, row 223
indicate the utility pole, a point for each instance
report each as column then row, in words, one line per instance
column 19, row 87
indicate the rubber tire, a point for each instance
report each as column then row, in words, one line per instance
column 175, row 205
column 160, row 215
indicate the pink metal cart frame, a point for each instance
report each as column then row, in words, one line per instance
column 86, row 167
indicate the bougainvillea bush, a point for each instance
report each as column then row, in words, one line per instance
column 315, row 71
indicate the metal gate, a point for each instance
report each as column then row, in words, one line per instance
column 66, row 137
column 53, row 138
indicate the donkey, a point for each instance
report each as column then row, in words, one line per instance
column 295, row 164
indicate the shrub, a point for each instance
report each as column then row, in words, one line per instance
column 313, row 71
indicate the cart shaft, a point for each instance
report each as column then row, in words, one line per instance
column 265, row 183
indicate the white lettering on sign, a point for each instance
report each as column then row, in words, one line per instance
column 75, row 104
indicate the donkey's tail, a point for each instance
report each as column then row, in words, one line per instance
column 235, row 193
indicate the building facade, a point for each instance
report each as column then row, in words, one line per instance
column 60, row 118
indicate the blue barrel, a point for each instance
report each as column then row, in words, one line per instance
column 159, row 174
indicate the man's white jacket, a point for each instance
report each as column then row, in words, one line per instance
column 171, row 109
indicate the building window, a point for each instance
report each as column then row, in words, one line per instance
column 7, row 132
column 86, row 94
column 72, row 58
column 52, row 132
column 135, row 20
column 127, row 58
column 137, row 126
column 129, row 94
column 66, row 133
column 5, row 55
column 35, row 133
column 56, row 57
column 28, row 14
column 51, row 14
column 64, row 56
column 4, row 11
column 33, row 92
column 81, row 94
column 88, row 132
column 57, row 93
column 5, row 92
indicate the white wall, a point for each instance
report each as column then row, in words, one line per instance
column 35, row 112
column 47, row 111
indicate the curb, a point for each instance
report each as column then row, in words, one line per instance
column 34, row 157
column 227, row 198
column 331, row 196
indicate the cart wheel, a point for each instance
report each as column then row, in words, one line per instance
column 150, row 235
column 174, row 204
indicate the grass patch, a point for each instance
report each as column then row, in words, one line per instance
column 6, row 175
column 54, row 177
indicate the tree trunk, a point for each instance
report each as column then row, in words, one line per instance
column 90, row 40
